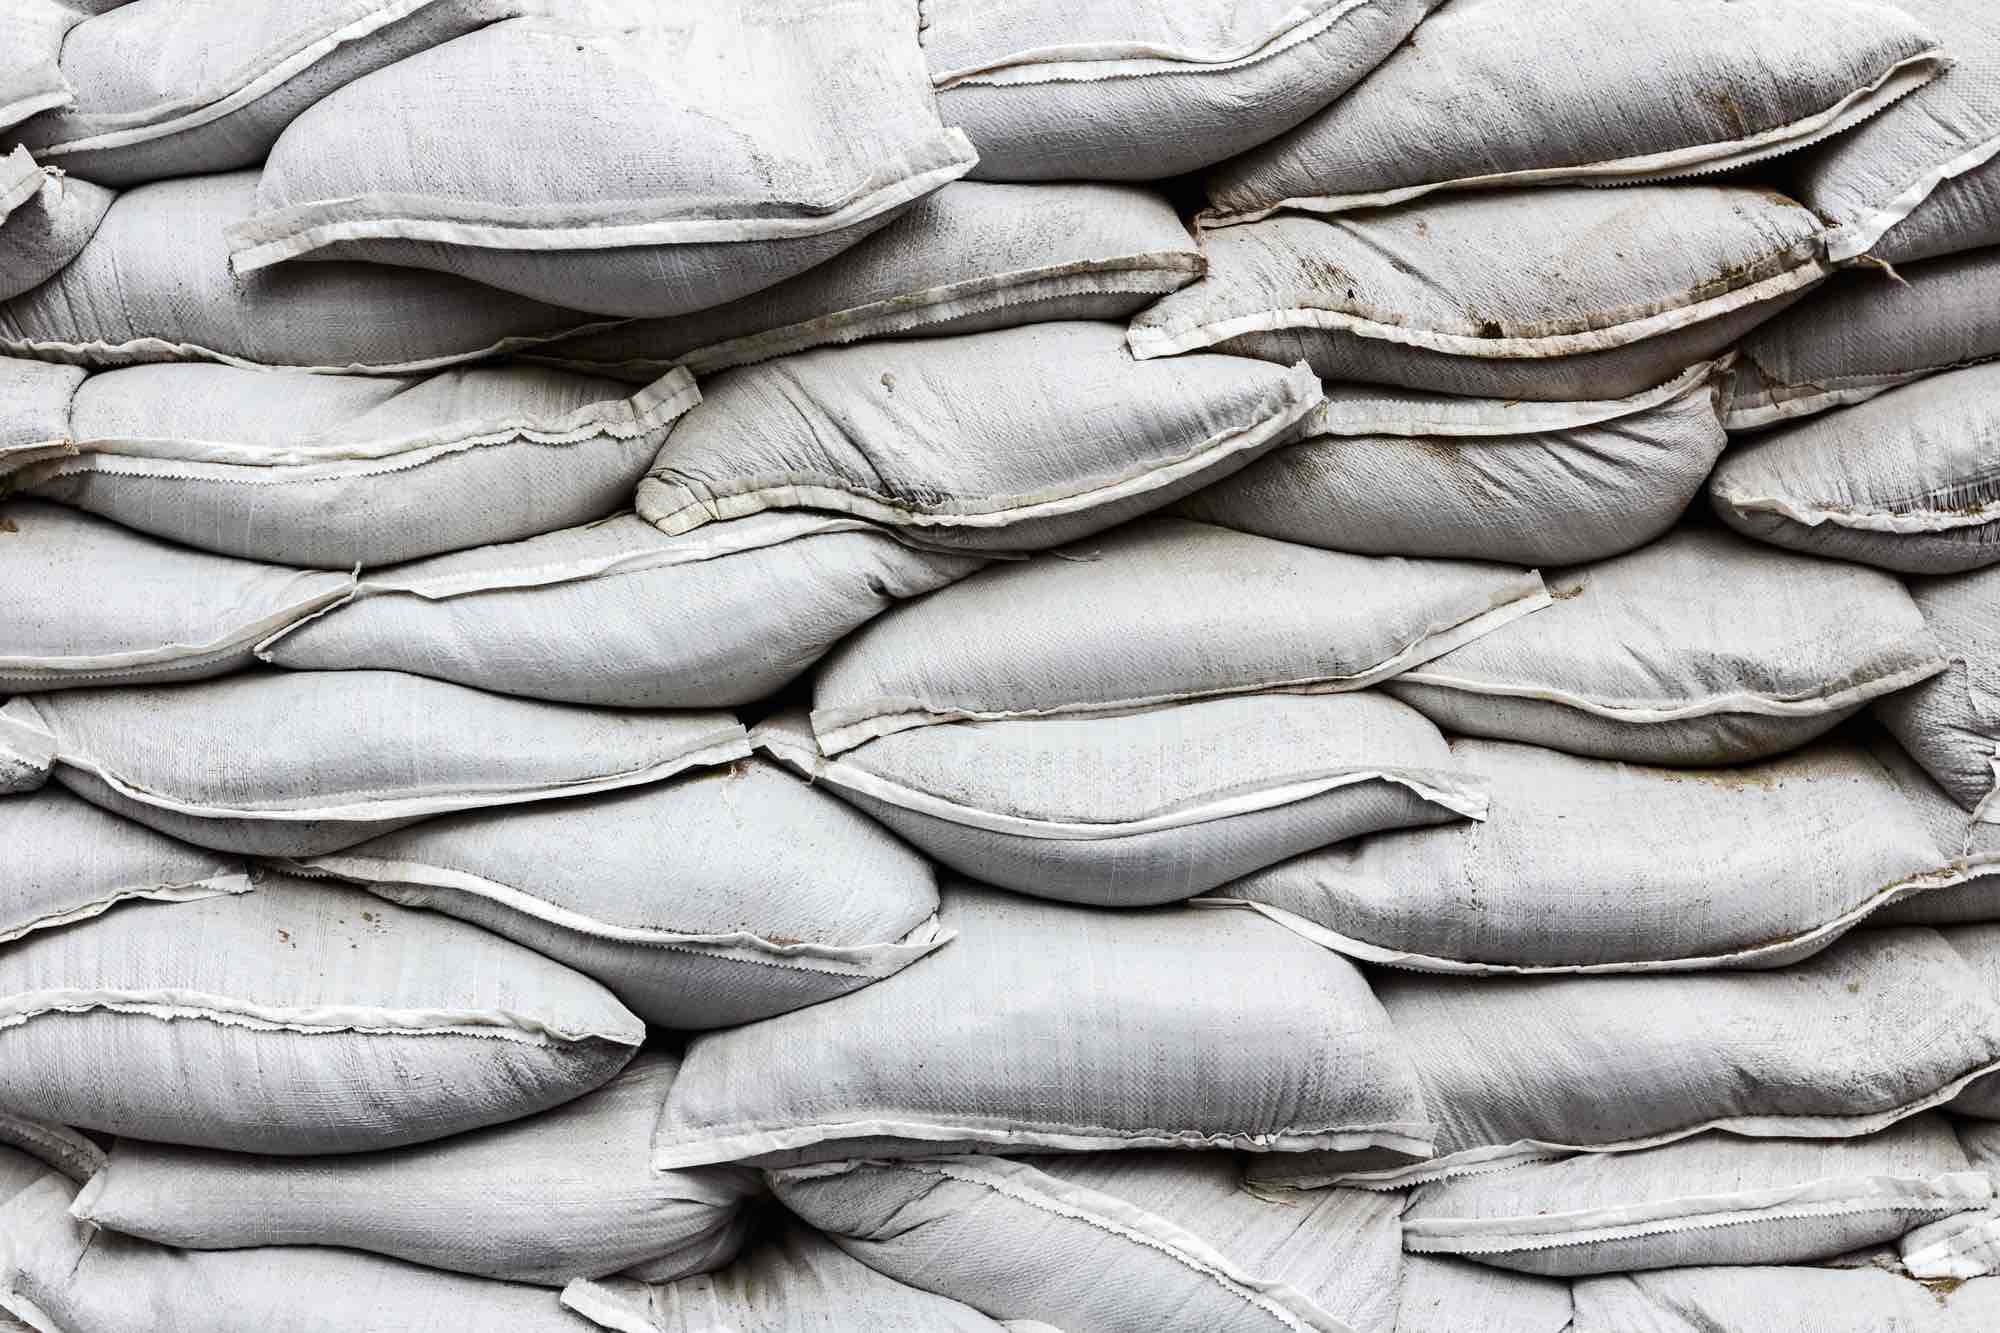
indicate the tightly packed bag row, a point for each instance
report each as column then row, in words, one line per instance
column 855, row 725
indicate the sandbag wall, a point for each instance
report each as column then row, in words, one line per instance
column 902, row 664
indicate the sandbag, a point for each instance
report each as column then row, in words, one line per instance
column 1700, row 649
column 1138, row 89
column 1438, row 1292
column 795, row 134
column 299, row 763
column 68, row 861
column 1906, row 481
column 45, row 218
column 1979, row 945
column 1951, row 723
column 1150, row 807
column 153, row 284
column 288, row 1020
column 720, row 898
column 336, row 471
column 27, row 752
column 31, row 77
column 154, row 611
column 70, row 1152
column 1158, row 612
column 969, row 257
column 561, row 1195
column 1865, row 1299
column 1864, row 334
column 619, row 613
column 1047, row 1027
column 1561, row 294
column 1387, row 473
column 1509, row 92
column 1710, row 1199
column 1035, row 1238
column 1590, row 866
column 1015, row 440
column 34, row 413
column 1882, row 1025
column 168, row 88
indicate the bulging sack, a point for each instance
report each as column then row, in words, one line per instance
column 1158, row 612
column 1951, row 723
column 475, row 1203
column 1387, row 473
column 334, row 471
column 1015, row 440
column 31, row 77
column 1149, row 807
column 1140, row 90
column 198, row 1024
column 618, row 613
column 1909, row 481
column 1700, row 649
column 1563, row 294
column 720, row 898
column 1978, row 944
column 1866, row 1294
column 1590, row 866
column 795, row 132
column 1510, row 92
column 1437, row 1292
column 45, row 219
column 1039, row 1028
column 34, row 413
column 967, row 258
column 299, row 763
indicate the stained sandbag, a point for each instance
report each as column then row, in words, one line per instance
column 153, row 284
column 1560, row 294
column 1387, row 473
column 1710, row 1199
column 299, row 763
column 336, row 471
column 1158, row 612
column 1043, row 1027
column 1014, row 440
column 794, row 136
column 203, row 1024
column 45, row 219
column 1138, row 90
column 34, row 413
column 969, row 257
column 1591, row 866
column 1864, row 1299
column 165, row 88
column 719, row 898
column 1906, row 481
column 1150, row 807
column 1699, row 649
column 481, row 1203
column 618, row 613
column 154, row 611
column 1033, row 1238
column 1951, row 723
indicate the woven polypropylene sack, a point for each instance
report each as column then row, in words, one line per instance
column 34, row 412
column 45, row 220
column 1951, row 723
column 1437, row 1293
column 1867, row 1298
column 31, row 78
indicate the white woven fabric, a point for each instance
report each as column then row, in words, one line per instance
column 1979, row 945
column 31, row 78
column 45, row 218
column 34, row 412
column 1438, row 1294
column 1951, row 723
column 1759, row 1300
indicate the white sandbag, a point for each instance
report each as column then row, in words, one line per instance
column 290, row 1020
column 299, row 763
column 336, row 471
column 27, row 752
column 1882, row 1025
column 564, row 1194
column 154, row 284
column 1015, row 440
column 1035, row 1238
column 1056, row 1028
column 1157, row 612
column 1951, row 723
column 34, row 413
column 68, row 861
column 968, row 257
column 1145, row 808
column 168, row 88
column 1972, row 843
column 31, row 77
column 1699, row 649
column 795, row 134
column 619, row 613
column 1710, row 1199
column 795, row 1281
column 1139, row 89
column 45, row 218
column 1591, row 866
column 69, row 1151
column 1511, row 92
column 1869, row 1299
column 154, row 611
column 1979, row 945
column 1864, row 334
column 720, row 898
column 1438, row 1294
column 1388, row 473
column 1561, row 294
column 1905, row 481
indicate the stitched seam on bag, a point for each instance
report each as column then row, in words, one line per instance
column 1537, row 1242
column 1812, row 702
